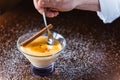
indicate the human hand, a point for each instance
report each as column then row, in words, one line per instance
column 52, row 7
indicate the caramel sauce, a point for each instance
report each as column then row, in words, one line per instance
column 39, row 47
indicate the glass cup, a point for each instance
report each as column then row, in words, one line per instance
column 42, row 65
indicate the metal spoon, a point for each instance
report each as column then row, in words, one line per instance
column 50, row 36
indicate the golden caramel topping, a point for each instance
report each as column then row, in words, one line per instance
column 39, row 47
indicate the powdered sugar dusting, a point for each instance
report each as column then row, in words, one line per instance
column 92, row 51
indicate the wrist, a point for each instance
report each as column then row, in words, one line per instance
column 91, row 5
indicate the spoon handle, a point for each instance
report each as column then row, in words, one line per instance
column 50, row 36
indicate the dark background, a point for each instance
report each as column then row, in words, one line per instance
column 92, row 51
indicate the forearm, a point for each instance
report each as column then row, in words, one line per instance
column 91, row 5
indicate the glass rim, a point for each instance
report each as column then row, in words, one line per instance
column 18, row 46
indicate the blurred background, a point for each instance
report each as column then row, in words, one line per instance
column 92, row 51
column 8, row 5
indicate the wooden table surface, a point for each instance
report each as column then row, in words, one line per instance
column 92, row 51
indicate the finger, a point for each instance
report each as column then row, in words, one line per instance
column 50, row 3
column 51, row 14
column 41, row 9
column 36, row 4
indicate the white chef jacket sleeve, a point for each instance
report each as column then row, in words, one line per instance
column 110, row 10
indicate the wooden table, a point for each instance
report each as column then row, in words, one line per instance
column 92, row 51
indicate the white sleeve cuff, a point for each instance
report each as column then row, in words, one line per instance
column 110, row 10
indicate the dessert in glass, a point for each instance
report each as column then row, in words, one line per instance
column 41, row 55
